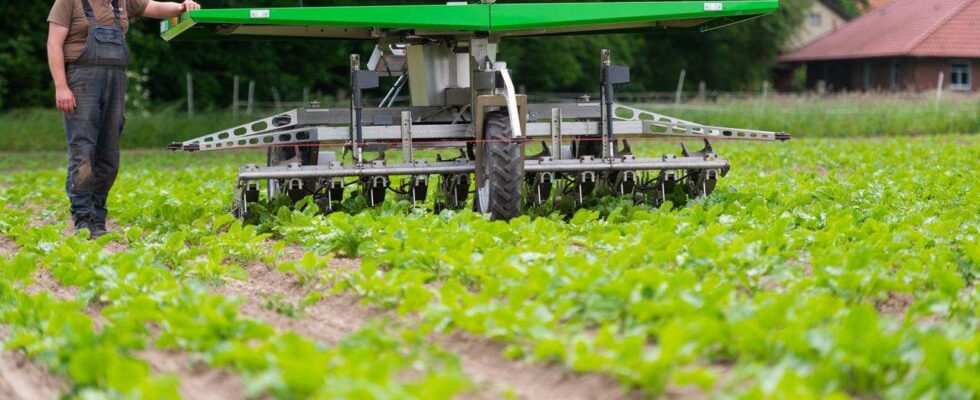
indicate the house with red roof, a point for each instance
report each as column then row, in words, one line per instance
column 904, row 45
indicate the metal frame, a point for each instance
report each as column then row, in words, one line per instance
column 460, row 81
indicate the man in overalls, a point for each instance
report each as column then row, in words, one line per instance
column 88, row 56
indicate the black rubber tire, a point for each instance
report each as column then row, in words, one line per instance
column 503, row 168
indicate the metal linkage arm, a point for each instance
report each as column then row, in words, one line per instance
column 663, row 125
column 278, row 122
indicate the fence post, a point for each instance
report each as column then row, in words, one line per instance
column 251, row 97
column 275, row 98
column 680, row 87
column 702, row 91
column 190, row 95
column 306, row 96
column 939, row 89
column 234, row 97
column 765, row 89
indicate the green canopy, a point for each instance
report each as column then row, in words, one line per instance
column 500, row 19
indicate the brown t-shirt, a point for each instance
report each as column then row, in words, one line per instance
column 71, row 14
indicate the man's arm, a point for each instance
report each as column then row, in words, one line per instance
column 64, row 98
column 163, row 10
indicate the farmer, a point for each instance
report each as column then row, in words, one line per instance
column 88, row 56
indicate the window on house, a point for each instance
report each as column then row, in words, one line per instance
column 961, row 75
column 814, row 19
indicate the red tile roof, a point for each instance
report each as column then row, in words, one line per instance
column 917, row 28
column 873, row 4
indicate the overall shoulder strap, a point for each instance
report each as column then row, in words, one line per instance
column 117, row 11
column 88, row 10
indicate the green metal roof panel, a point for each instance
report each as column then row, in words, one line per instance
column 470, row 17
column 506, row 19
column 532, row 16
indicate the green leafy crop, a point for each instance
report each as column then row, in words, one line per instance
column 827, row 268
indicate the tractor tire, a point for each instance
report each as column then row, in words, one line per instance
column 500, row 195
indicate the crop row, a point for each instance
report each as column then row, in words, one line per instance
column 158, row 293
column 825, row 268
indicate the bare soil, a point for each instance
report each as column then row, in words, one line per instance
column 7, row 247
column 484, row 363
column 22, row 379
column 335, row 317
column 896, row 304
column 329, row 320
column 198, row 381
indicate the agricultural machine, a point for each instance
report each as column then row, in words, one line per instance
column 464, row 103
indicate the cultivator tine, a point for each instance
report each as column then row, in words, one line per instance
column 538, row 188
column 375, row 188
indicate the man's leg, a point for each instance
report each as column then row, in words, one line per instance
column 81, row 130
column 107, row 146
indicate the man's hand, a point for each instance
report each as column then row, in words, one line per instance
column 65, row 100
column 190, row 5
column 162, row 10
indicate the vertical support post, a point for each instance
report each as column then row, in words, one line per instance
column 355, row 115
column 234, row 97
column 407, row 137
column 606, row 111
column 556, row 133
column 306, row 96
column 275, row 98
column 359, row 80
column 680, row 87
column 702, row 91
column 765, row 89
column 190, row 95
column 250, row 108
column 939, row 89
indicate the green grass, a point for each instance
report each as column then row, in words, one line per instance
column 845, row 116
column 43, row 129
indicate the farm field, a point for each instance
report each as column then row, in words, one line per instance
column 818, row 268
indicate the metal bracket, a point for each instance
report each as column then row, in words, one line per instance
column 556, row 133
column 612, row 75
column 360, row 80
column 407, row 136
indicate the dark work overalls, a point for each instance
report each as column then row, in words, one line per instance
column 98, row 80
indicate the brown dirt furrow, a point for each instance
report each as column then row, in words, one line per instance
column 44, row 282
column 484, row 362
column 22, row 379
column 335, row 317
column 7, row 247
column 329, row 320
column 197, row 380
